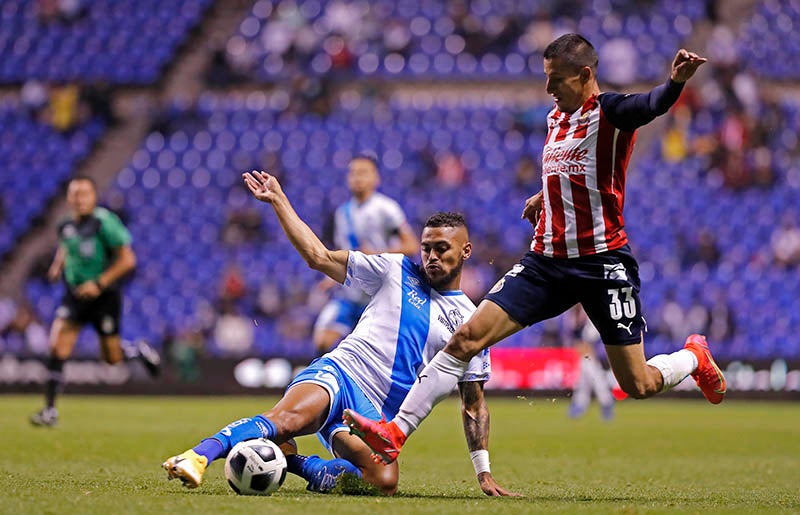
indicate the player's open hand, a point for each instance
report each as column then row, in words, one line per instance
column 685, row 64
column 533, row 208
column 492, row 489
column 263, row 186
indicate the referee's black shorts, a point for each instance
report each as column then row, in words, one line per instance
column 103, row 312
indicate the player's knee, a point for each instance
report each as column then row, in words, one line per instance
column 464, row 344
column 384, row 479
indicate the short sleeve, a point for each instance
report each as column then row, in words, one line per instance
column 367, row 272
column 395, row 217
column 479, row 368
column 113, row 232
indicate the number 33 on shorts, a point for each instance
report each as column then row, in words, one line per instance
column 622, row 303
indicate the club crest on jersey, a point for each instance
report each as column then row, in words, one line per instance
column 498, row 285
column 615, row 272
column 69, row 231
column 453, row 319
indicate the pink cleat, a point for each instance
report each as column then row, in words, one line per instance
column 384, row 438
column 707, row 375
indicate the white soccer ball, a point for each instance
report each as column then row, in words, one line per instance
column 255, row 467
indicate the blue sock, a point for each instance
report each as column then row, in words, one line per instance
column 320, row 474
column 221, row 443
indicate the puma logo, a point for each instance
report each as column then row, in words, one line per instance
column 420, row 376
column 620, row 325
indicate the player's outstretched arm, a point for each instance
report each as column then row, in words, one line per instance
column 475, row 415
column 266, row 188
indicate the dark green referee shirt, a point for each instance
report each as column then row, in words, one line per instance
column 90, row 244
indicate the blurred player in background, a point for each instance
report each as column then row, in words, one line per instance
column 591, row 376
column 94, row 253
column 580, row 252
column 369, row 222
column 412, row 312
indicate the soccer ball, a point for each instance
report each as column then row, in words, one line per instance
column 255, row 467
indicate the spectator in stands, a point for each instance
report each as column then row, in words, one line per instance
column 234, row 334
column 527, row 173
column 786, row 241
column 242, row 226
column 397, row 38
column 722, row 322
column 620, row 59
column 34, row 97
column 450, row 171
column 233, row 287
column 23, row 322
column 703, row 250
column 64, row 107
column 97, row 99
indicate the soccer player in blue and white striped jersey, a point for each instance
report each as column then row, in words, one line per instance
column 414, row 310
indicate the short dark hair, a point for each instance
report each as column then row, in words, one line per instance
column 446, row 219
column 369, row 155
column 84, row 178
column 573, row 49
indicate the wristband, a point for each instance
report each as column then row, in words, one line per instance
column 99, row 286
column 480, row 461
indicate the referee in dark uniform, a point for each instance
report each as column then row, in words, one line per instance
column 94, row 253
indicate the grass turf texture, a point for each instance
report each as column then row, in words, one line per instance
column 656, row 456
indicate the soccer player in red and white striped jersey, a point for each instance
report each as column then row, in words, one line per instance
column 579, row 253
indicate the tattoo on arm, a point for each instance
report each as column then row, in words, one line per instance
column 475, row 415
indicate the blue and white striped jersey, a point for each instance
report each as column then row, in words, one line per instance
column 369, row 226
column 404, row 325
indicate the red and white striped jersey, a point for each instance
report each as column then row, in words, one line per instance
column 584, row 163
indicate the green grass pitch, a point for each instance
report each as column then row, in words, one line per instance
column 656, row 456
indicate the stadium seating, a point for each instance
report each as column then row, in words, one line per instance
column 770, row 43
column 432, row 39
column 181, row 186
column 36, row 161
column 117, row 41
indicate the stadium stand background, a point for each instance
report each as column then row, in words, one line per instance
column 168, row 102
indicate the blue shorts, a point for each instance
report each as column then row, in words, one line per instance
column 343, row 392
column 606, row 285
column 340, row 315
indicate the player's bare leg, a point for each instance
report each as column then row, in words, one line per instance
column 63, row 335
column 384, row 478
column 111, row 349
column 641, row 379
column 634, row 375
column 487, row 326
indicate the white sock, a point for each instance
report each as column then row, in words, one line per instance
column 599, row 385
column 129, row 349
column 674, row 367
column 436, row 381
